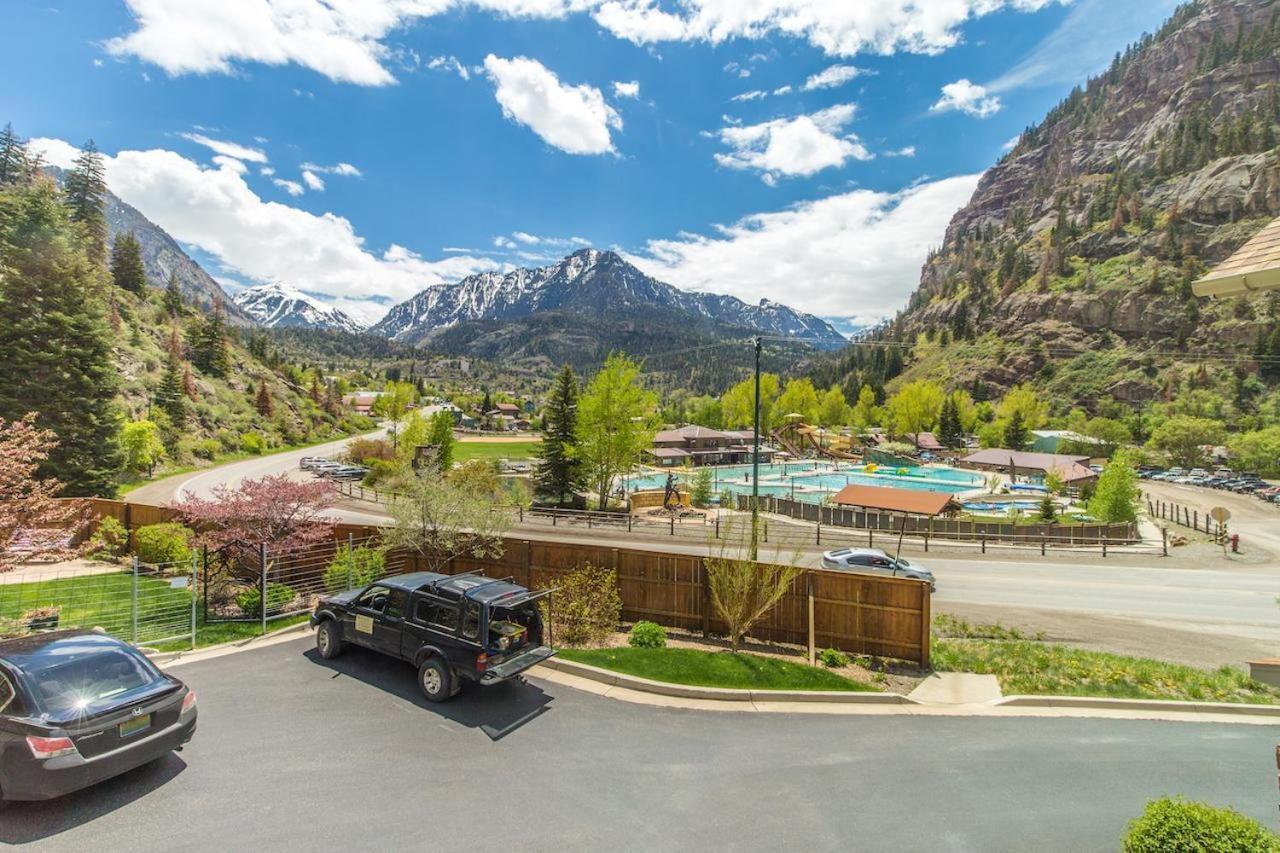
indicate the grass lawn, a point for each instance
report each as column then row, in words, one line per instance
column 714, row 669
column 1034, row 668
column 106, row 601
column 489, row 451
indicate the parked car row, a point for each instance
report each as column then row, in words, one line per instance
column 1221, row 478
column 327, row 468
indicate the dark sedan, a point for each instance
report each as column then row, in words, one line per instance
column 78, row 707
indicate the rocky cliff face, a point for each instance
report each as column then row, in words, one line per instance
column 1086, row 236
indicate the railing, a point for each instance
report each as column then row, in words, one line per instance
column 1185, row 516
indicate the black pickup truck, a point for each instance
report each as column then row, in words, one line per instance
column 451, row 627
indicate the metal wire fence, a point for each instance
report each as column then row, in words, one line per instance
column 142, row 603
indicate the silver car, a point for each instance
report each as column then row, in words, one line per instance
column 873, row 561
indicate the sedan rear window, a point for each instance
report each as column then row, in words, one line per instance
column 94, row 682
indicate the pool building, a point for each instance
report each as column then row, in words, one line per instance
column 698, row 446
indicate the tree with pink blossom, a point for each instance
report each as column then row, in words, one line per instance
column 33, row 520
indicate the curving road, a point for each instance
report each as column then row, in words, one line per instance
column 297, row 753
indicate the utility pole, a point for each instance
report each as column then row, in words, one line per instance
column 755, row 465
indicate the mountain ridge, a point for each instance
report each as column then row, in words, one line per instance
column 588, row 284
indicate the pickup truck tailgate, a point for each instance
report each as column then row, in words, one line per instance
column 516, row 664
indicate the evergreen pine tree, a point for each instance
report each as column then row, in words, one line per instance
column 172, row 296
column 14, row 167
column 85, row 189
column 559, row 475
column 209, row 350
column 950, row 431
column 127, row 270
column 55, row 339
column 263, row 402
column 171, row 393
column 1015, row 432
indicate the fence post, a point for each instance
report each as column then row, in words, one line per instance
column 204, row 565
column 520, row 512
column 629, row 522
column 135, row 599
column 195, row 562
column 717, row 524
column 813, row 651
column 819, row 532
column 1164, row 540
column 871, row 537
column 262, row 583
column 984, row 543
column 1041, row 544
column 673, row 525
column 766, row 530
column 706, row 599
column 1104, row 547
column 351, row 560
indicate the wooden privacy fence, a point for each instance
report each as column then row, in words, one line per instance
column 946, row 528
column 863, row 614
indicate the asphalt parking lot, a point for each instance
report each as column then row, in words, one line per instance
column 297, row 753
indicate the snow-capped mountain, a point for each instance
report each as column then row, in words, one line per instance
column 595, row 286
column 276, row 304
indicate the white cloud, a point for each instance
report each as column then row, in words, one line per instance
column 753, row 95
column 907, row 151
column 801, row 145
column 97, row 63
column 291, row 187
column 574, row 119
column 261, row 140
column 969, row 98
column 266, row 171
column 344, row 41
column 524, row 238
column 623, row 89
column 1011, row 144
column 312, row 180
column 855, row 255
column 214, row 210
column 227, row 149
column 346, row 170
column 230, row 163
column 835, row 75
column 782, row 90
column 449, row 63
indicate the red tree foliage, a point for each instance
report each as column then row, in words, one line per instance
column 282, row 513
column 32, row 519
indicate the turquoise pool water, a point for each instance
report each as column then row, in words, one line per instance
column 815, row 481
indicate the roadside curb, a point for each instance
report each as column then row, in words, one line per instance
column 720, row 694
column 630, row 688
column 1100, row 703
column 167, row 659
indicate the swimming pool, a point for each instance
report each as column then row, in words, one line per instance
column 814, row 481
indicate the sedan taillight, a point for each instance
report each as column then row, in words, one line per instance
column 189, row 702
column 50, row 747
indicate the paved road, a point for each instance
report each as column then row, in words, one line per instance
column 202, row 483
column 294, row 753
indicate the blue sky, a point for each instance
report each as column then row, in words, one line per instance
column 806, row 151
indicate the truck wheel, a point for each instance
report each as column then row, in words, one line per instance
column 328, row 640
column 435, row 680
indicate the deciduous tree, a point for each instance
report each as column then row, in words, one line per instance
column 440, row 520
column 141, row 445
column 615, row 423
column 29, row 500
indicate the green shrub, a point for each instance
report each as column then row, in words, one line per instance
column 380, row 473
column 1175, row 824
column 109, row 540
column 163, row 543
column 206, row 448
column 253, row 442
column 587, row 607
column 647, row 635
column 833, row 658
column 229, row 439
column 361, row 567
column 279, row 596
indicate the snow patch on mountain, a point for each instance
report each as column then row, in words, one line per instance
column 277, row 304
